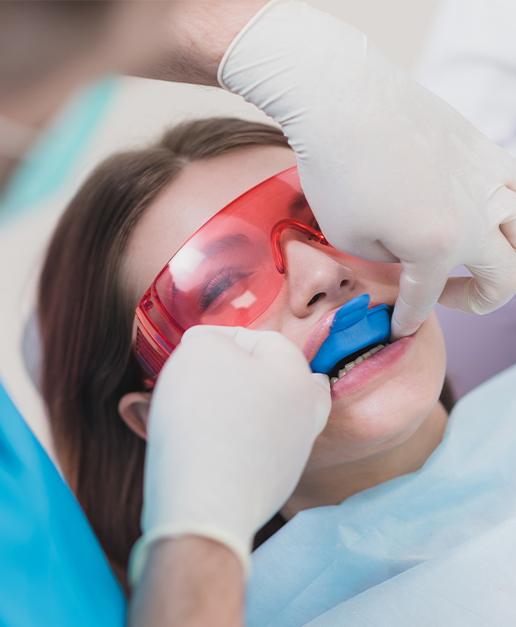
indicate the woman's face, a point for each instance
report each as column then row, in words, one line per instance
column 384, row 400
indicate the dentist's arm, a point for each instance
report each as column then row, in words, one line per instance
column 189, row 581
column 391, row 171
column 195, row 35
column 228, row 437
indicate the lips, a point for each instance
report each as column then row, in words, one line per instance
column 373, row 370
column 319, row 335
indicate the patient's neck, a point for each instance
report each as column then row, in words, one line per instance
column 332, row 484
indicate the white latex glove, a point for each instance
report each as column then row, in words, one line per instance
column 233, row 420
column 391, row 171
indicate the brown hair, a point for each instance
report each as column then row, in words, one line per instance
column 85, row 317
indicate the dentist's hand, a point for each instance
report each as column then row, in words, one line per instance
column 391, row 171
column 233, row 420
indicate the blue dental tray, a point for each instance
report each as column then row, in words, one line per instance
column 354, row 328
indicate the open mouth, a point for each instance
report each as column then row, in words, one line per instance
column 349, row 362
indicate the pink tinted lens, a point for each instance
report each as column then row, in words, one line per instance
column 226, row 274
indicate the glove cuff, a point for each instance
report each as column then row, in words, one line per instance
column 141, row 548
column 256, row 17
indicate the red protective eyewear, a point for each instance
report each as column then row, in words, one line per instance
column 227, row 273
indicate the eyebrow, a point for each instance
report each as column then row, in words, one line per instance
column 224, row 243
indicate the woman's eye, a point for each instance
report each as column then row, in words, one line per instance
column 220, row 284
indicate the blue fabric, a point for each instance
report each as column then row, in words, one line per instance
column 473, row 585
column 442, row 528
column 53, row 572
column 56, row 153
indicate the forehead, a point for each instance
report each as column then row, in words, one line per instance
column 201, row 190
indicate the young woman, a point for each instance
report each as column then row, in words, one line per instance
column 129, row 218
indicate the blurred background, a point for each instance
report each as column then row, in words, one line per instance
column 140, row 109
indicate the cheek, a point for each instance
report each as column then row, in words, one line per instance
column 277, row 318
column 391, row 412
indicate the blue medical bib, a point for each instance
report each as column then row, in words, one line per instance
column 433, row 548
column 53, row 572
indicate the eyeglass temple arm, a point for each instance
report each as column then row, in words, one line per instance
column 278, row 230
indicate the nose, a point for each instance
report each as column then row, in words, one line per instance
column 316, row 280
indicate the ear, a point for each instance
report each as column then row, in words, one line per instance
column 134, row 411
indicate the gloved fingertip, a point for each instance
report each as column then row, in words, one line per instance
column 210, row 330
column 321, row 420
column 324, row 404
column 193, row 332
column 399, row 331
column 322, row 380
column 396, row 332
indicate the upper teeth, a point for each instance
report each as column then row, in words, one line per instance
column 356, row 361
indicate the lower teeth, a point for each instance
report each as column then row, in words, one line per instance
column 348, row 367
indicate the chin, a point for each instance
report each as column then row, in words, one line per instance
column 391, row 409
column 375, row 424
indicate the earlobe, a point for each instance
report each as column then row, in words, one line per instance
column 134, row 410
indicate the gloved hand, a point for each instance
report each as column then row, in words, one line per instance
column 233, row 419
column 390, row 171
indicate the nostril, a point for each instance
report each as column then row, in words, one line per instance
column 344, row 283
column 315, row 298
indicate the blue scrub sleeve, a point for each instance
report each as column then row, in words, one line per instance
column 53, row 571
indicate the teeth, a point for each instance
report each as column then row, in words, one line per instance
column 348, row 367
